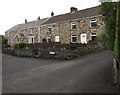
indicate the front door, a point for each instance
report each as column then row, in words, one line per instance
column 83, row 38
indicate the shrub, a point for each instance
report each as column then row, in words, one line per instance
column 21, row 44
column 101, row 36
column 108, row 10
column 3, row 41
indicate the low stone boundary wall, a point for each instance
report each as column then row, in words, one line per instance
column 8, row 51
column 60, row 53
column 56, row 53
column 24, row 52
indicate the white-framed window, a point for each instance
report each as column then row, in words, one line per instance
column 73, row 26
column 57, row 38
column 48, row 39
column 49, row 29
column 93, row 36
column 31, row 39
column 74, row 38
column 93, row 23
column 31, row 31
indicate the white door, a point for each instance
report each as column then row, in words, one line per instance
column 31, row 39
column 83, row 38
column 57, row 39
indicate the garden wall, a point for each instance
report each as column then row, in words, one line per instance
column 56, row 51
column 8, row 51
column 24, row 52
column 62, row 53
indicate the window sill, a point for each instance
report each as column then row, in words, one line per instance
column 73, row 42
column 73, row 30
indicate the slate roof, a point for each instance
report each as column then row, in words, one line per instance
column 71, row 16
column 27, row 25
column 59, row 18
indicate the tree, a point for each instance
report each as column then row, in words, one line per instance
column 108, row 10
column 117, row 35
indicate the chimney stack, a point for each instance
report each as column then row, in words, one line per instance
column 52, row 14
column 73, row 9
column 25, row 20
column 38, row 17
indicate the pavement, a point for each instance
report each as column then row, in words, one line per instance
column 89, row 74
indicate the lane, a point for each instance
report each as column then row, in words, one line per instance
column 90, row 74
column 14, row 64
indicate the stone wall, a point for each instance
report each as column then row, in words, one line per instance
column 24, row 52
column 62, row 53
column 26, row 32
column 63, row 30
column 8, row 51
column 57, row 52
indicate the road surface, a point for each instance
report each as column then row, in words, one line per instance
column 89, row 74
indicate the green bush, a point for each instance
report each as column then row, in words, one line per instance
column 3, row 41
column 108, row 10
column 21, row 44
column 101, row 36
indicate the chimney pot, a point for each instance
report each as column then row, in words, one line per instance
column 25, row 20
column 73, row 9
column 52, row 14
column 38, row 17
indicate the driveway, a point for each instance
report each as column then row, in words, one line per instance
column 89, row 74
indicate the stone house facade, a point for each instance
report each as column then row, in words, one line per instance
column 74, row 27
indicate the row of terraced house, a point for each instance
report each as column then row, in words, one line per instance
column 77, row 26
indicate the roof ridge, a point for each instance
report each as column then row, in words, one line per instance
column 70, row 16
column 57, row 18
column 76, row 11
column 33, row 21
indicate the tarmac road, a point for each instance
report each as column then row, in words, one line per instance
column 89, row 74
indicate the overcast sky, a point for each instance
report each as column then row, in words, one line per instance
column 14, row 12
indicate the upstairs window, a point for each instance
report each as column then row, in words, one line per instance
column 93, row 23
column 73, row 26
column 49, row 30
column 31, row 31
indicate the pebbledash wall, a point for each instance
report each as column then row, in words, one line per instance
column 74, row 27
